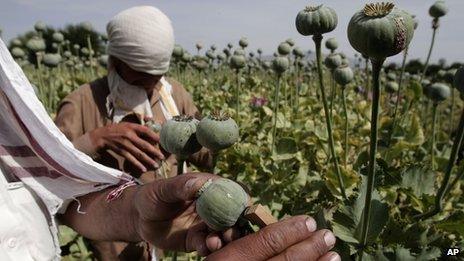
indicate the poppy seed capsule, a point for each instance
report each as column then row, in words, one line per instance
column 284, row 48
column 217, row 131
column 438, row 9
column 40, row 26
column 102, row 60
column 331, row 44
column 58, row 37
column 243, row 42
column 380, row 30
column 343, row 75
column 220, row 203
column 210, row 54
column 298, row 52
column 177, row 136
column 280, row 64
column 290, row 41
column 391, row 76
column 177, row 52
column 391, row 87
column 87, row 26
column 16, row 42
column 36, row 44
column 17, row 52
column 239, row 52
column 186, row 57
column 437, row 92
column 316, row 20
column 237, row 61
column 332, row 61
column 51, row 59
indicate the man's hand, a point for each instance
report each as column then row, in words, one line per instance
column 295, row 238
column 134, row 142
column 167, row 219
column 166, row 214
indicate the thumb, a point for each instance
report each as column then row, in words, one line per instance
column 164, row 198
column 180, row 188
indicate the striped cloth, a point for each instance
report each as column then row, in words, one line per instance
column 34, row 151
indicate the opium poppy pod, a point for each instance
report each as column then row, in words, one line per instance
column 51, row 59
column 331, row 44
column 380, row 30
column 178, row 51
column 221, row 203
column 18, row 52
column 437, row 92
column 438, row 9
column 290, row 41
column 36, row 44
column 284, row 48
column 243, row 42
column 237, row 61
column 217, row 131
column 343, row 75
column 316, row 20
column 178, row 136
column 391, row 87
column 280, row 64
column 332, row 61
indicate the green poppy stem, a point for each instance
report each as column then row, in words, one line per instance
column 237, row 98
column 432, row 145
column 445, row 187
column 345, row 112
column 332, row 94
column 398, row 93
column 376, row 67
column 366, row 71
column 451, row 112
column 276, row 110
column 317, row 40
column 434, row 27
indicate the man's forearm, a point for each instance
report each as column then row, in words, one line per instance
column 108, row 221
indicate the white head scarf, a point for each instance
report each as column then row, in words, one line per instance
column 143, row 38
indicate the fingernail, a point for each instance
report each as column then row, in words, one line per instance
column 156, row 165
column 329, row 239
column 311, row 224
column 144, row 169
column 334, row 257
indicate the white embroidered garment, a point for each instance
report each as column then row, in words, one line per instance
column 25, row 224
column 33, row 149
column 125, row 98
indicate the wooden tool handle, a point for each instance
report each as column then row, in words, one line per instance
column 259, row 215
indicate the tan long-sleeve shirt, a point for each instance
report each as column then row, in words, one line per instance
column 85, row 110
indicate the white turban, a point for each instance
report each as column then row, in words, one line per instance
column 143, row 38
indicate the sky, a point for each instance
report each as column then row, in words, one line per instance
column 265, row 23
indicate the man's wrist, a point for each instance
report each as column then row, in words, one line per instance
column 94, row 136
